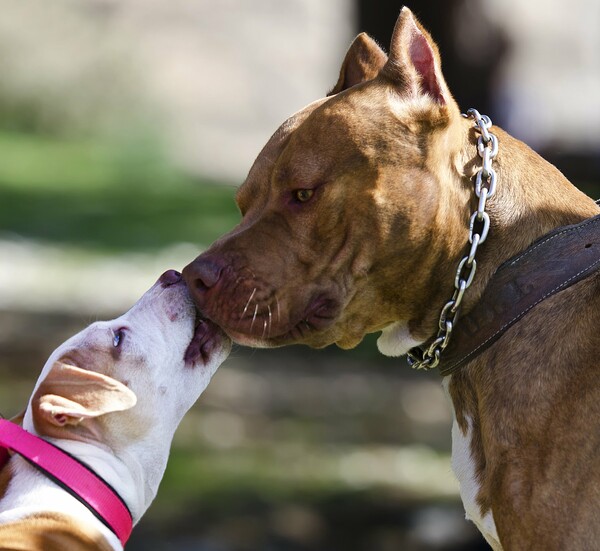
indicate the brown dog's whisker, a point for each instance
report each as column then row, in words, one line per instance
column 270, row 319
column 254, row 317
column 248, row 304
column 278, row 311
column 235, row 283
column 245, row 308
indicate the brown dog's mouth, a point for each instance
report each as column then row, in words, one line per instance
column 265, row 325
column 206, row 339
column 255, row 312
column 320, row 315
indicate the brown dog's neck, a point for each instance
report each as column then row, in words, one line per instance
column 524, row 406
column 507, row 398
column 532, row 198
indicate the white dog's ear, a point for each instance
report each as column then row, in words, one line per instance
column 69, row 394
column 363, row 62
column 414, row 63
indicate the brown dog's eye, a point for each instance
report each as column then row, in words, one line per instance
column 303, row 195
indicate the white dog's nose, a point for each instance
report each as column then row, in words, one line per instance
column 170, row 277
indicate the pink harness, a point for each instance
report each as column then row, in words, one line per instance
column 71, row 475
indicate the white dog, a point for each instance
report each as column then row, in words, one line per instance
column 111, row 397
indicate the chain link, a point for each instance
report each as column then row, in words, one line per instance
column 479, row 225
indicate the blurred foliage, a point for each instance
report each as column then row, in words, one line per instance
column 114, row 196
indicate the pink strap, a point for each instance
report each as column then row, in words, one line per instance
column 80, row 480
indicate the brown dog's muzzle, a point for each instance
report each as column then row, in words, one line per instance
column 259, row 304
column 205, row 277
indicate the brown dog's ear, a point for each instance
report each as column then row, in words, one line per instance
column 363, row 62
column 414, row 62
column 69, row 394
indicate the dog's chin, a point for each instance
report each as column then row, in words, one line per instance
column 208, row 340
column 303, row 332
column 314, row 327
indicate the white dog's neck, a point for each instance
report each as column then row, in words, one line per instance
column 30, row 492
column 134, row 474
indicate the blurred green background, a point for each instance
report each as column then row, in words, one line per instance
column 124, row 130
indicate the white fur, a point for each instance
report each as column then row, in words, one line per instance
column 464, row 470
column 396, row 340
column 159, row 328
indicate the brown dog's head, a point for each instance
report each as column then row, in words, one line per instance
column 343, row 208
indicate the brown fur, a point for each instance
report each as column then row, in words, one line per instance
column 50, row 532
column 5, row 476
column 534, row 411
column 389, row 161
column 6, row 472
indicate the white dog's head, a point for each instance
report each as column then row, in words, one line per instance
column 124, row 385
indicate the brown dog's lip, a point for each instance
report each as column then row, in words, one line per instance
column 321, row 313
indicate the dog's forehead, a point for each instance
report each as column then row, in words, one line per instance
column 90, row 337
column 277, row 142
column 337, row 130
column 91, row 346
column 257, row 181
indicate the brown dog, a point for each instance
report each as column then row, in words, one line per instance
column 355, row 216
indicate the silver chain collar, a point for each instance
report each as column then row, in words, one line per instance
column 479, row 225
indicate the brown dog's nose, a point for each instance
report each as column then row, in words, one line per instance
column 202, row 274
column 170, row 277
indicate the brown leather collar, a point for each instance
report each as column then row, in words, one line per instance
column 553, row 263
